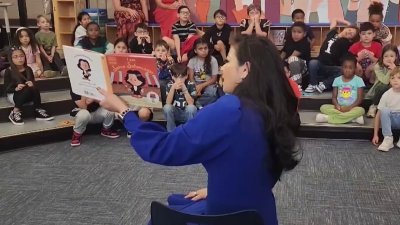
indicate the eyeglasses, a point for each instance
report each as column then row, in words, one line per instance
column 221, row 17
column 18, row 57
column 142, row 32
column 185, row 13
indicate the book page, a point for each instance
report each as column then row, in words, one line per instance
column 134, row 78
column 87, row 71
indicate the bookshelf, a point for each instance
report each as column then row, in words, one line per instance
column 65, row 13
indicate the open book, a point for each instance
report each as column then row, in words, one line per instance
column 133, row 77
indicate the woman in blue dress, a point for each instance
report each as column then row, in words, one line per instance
column 245, row 140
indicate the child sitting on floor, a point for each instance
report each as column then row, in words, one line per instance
column 141, row 42
column 386, row 63
column 164, row 64
column 47, row 42
column 254, row 24
column 180, row 97
column 94, row 42
column 296, row 52
column 21, row 88
column 367, row 52
column 388, row 115
column 80, row 28
column 347, row 96
column 26, row 40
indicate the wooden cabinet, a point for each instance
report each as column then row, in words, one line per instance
column 65, row 13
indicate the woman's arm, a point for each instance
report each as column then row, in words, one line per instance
column 145, row 10
column 190, row 143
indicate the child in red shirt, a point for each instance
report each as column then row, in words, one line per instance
column 367, row 52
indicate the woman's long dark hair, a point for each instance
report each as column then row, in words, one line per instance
column 207, row 60
column 80, row 17
column 267, row 89
column 32, row 39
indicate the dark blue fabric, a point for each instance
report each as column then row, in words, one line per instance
column 228, row 140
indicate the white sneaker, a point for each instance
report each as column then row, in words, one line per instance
column 320, row 87
column 359, row 120
column 321, row 118
column 398, row 144
column 387, row 144
column 310, row 88
column 371, row 111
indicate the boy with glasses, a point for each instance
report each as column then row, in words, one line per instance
column 184, row 34
column 141, row 43
column 218, row 36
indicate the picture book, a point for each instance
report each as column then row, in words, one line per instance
column 134, row 78
column 87, row 71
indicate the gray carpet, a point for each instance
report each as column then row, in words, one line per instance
column 104, row 182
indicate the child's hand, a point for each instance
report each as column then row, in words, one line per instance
column 179, row 58
column 337, row 107
column 139, row 40
column 375, row 140
column 20, row 87
column 29, row 83
column 147, row 37
column 133, row 13
column 50, row 58
column 199, row 89
column 391, row 66
column 345, row 108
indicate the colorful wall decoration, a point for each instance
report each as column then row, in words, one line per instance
column 279, row 11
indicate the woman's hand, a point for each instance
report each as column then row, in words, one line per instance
column 111, row 102
column 175, row 5
column 133, row 13
column 197, row 195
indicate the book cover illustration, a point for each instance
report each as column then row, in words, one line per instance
column 277, row 36
column 87, row 71
column 134, row 78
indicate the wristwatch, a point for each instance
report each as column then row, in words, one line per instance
column 123, row 114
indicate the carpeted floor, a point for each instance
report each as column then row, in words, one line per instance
column 104, row 182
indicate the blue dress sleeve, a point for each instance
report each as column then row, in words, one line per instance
column 200, row 139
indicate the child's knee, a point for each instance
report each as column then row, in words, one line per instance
column 168, row 108
column 83, row 115
column 192, row 109
column 144, row 114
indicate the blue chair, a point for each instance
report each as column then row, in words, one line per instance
column 163, row 215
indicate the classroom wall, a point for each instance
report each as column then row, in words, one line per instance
column 317, row 11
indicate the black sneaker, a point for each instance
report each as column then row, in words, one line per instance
column 42, row 114
column 16, row 118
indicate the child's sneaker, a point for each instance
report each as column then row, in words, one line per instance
column 371, row 111
column 310, row 88
column 109, row 133
column 359, row 120
column 321, row 118
column 128, row 135
column 64, row 71
column 387, row 144
column 76, row 139
column 320, row 87
column 16, row 117
column 42, row 114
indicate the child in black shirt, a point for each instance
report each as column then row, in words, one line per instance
column 296, row 52
column 254, row 25
column 141, row 43
column 218, row 36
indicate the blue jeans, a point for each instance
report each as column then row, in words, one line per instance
column 174, row 114
column 328, row 73
column 389, row 120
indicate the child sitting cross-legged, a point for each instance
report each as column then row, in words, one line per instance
column 347, row 96
column 180, row 97
column 388, row 115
